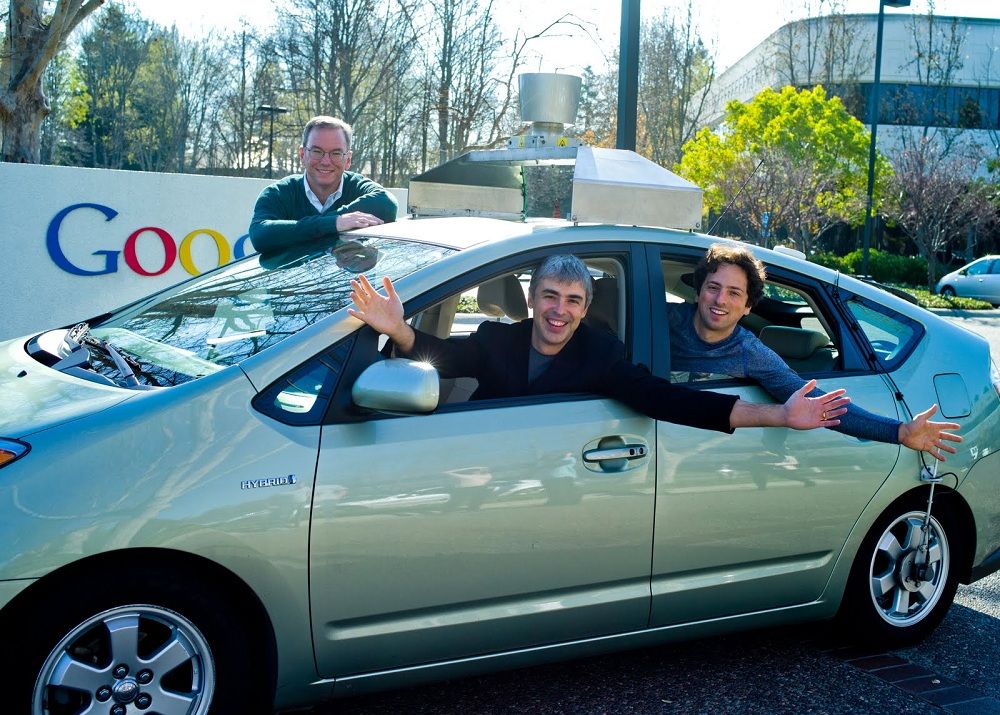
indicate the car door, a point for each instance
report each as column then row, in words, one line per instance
column 976, row 281
column 756, row 520
column 991, row 283
column 481, row 527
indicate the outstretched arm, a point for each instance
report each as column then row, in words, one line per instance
column 365, row 196
column 383, row 313
column 925, row 436
column 799, row 412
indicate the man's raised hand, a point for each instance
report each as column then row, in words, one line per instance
column 803, row 412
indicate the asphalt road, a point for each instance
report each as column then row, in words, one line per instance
column 789, row 670
column 981, row 322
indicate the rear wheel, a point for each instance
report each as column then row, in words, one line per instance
column 150, row 645
column 898, row 590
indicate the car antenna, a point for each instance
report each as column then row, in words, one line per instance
column 730, row 204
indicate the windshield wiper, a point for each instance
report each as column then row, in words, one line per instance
column 76, row 340
column 121, row 362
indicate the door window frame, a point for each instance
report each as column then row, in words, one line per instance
column 637, row 325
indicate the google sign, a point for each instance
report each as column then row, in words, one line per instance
column 173, row 251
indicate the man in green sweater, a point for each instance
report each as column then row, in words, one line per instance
column 325, row 200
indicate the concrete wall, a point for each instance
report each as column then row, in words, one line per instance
column 78, row 242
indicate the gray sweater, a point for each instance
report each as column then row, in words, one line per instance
column 742, row 354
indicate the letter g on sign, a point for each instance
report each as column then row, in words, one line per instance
column 56, row 252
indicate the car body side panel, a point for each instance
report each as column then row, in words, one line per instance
column 10, row 589
column 981, row 490
column 36, row 397
column 756, row 519
column 165, row 470
column 456, row 534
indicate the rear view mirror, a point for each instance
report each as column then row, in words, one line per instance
column 397, row 385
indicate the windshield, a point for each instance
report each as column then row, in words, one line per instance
column 225, row 317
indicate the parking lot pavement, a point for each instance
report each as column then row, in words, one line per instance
column 981, row 322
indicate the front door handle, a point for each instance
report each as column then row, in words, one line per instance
column 628, row 451
column 614, row 454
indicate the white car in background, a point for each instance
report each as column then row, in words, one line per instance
column 979, row 279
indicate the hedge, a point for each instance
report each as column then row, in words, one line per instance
column 882, row 266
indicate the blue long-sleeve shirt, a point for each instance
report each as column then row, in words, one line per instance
column 742, row 354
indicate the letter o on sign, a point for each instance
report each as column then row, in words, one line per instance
column 169, row 251
column 221, row 245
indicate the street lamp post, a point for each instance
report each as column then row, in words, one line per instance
column 873, row 109
column 271, row 109
column 628, row 75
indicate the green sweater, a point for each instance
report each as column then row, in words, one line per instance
column 283, row 214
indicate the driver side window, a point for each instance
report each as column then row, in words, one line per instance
column 504, row 298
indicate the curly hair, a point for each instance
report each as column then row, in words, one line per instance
column 740, row 256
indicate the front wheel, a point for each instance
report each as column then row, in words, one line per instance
column 901, row 583
column 150, row 645
column 948, row 292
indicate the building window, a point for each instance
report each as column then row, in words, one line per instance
column 925, row 105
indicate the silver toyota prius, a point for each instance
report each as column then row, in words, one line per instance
column 230, row 495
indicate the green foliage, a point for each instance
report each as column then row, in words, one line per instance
column 831, row 261
column 931, row 300
column 883, row 266
column 888, row 267
column 813, row 158
column 904, row 272
column 468, row 304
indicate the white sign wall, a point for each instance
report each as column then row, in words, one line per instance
column 78, row 242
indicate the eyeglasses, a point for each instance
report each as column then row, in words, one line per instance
column 317, row 154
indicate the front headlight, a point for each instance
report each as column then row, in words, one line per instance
column 10, row 450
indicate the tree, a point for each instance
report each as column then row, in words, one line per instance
column 827, row 48
column 238, row 142
column 343, row 57
column 803, row 158
column 676, row 76
column 34, row 38
column 111, row 56
column 595, row 123
column 61, row 140
column 939, row 205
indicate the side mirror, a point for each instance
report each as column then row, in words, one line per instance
column 964, row 272
column 397, row 385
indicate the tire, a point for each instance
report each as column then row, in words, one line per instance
column 886, row 604
column 149, row 644
column 948, row 292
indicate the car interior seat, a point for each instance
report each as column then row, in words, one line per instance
column 499, row 298
column 603, row 311
column 437, row 319
column 803, row 350
column 502, row 297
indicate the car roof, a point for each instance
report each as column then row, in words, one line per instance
column 459, row 232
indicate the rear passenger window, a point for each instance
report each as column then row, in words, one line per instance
column 891, row 336
column 787, row 319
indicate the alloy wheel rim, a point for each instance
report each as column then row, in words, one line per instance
column 134, row 658
column 901, row 594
